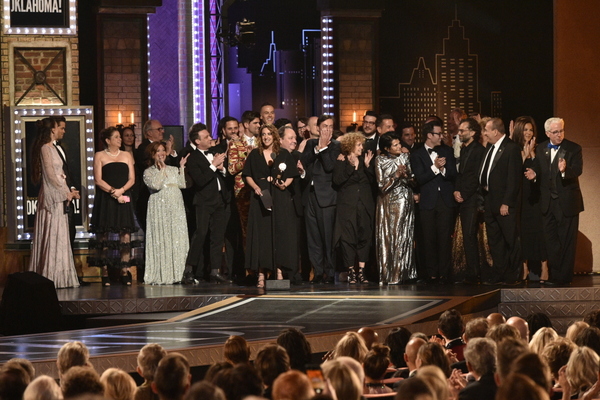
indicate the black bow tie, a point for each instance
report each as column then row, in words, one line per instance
column 57, row 143
column 206, row 152
column 430, row 151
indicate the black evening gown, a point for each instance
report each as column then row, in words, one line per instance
column 277, row 227
column 533, row 247
column 108, row 215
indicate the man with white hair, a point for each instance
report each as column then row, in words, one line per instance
column 559, row 163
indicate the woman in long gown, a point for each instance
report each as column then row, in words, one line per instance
column 113, row 213
column 533, row 248
column 167, row 240
column 395, row 219
column 353, row 230
column 51, row 254
column 271, row 239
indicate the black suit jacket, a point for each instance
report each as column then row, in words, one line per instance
column 506, row 176
column 297, row 188
column 69, row 178
column 206, row 180
column 372, row 144
column 319, row 171
column 567, row 188
column 467, row 180
column 431, row 185
column 484, row 388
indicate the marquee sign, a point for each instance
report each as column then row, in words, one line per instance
column 40, row 17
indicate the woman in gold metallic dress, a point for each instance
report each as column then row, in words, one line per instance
column 395, row 216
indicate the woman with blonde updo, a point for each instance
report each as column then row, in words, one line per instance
column 351, row 345
column 541, row 339
column 353, row 175
column 375, row 366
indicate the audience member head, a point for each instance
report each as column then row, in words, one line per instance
column 344, row 380
column 475, row 328
column 533, row 366
column 589, row 337
column 593, row 318
column 151, row 151
column 78, row 381
column 385, row 124
column 349, row 142
column 13, row 381
column 72, row 354
column 148, row 359
column 507, row 352
column 415, row 388
column 236, row 350
column 194, row 132
column 397, row 340
column 23, row 363
column 480, row 354
column 351, row 345
column 411, row 352
column 536, row 321
column 519, row 386
column 292, row 385
column 541, row 339
column 266, row 130
column 271, row 361
column 43, row 388
column 420, row 335
column 450, row 324
column 267, row 113
column 354, row 366
column 241, row 381
column 205, row 390
column 432, row 353
column 521, row 132
column 283, row 122
column 387, row 145
column 215, row 369
column 503, row 331
column 434, row 377
column 376, row 362
column 582, row 369
column 118, row 384
column 557, row 354
column 172, row 378
column 495, row 319
column 574, row 329
column 369, row 336
column 521, row 326
column 297, row 347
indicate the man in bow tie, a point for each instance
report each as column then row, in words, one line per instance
column 559, row 163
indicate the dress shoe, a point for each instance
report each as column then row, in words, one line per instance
column 82, row 282
column 188, row 279
column 218, row 278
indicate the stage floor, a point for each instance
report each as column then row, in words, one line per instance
column 323, row 312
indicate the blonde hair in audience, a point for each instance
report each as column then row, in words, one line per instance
column 43, row 388
column 72, row 354
column 148, row 359
column 582, row 368
column 346, row 383
column 118, row 384
column 436, row 380
column 351, row 345
column 575, row 328
column 541, row 339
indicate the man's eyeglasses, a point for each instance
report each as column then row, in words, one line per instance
column 557, row 132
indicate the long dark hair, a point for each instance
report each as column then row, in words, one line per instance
column 44, row 135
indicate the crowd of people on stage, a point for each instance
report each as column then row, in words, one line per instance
column 472, row 203
column 484, row 358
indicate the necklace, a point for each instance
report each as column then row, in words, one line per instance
column 111, row 154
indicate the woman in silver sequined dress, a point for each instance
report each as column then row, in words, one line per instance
column 395, row 217
column 167, row 241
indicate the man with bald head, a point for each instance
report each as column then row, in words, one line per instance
column 521, row 325
column 495, row 319
column 410, row 354
column 369, row 335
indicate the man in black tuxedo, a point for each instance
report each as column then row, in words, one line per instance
column 500, row 177
column 409, row 137
column 71, row 182
column 319, row 199
column 207, row 170
column 385, row 124
column 559, row 163
column 153, row 131
column 434, row 168
column 466, row 193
